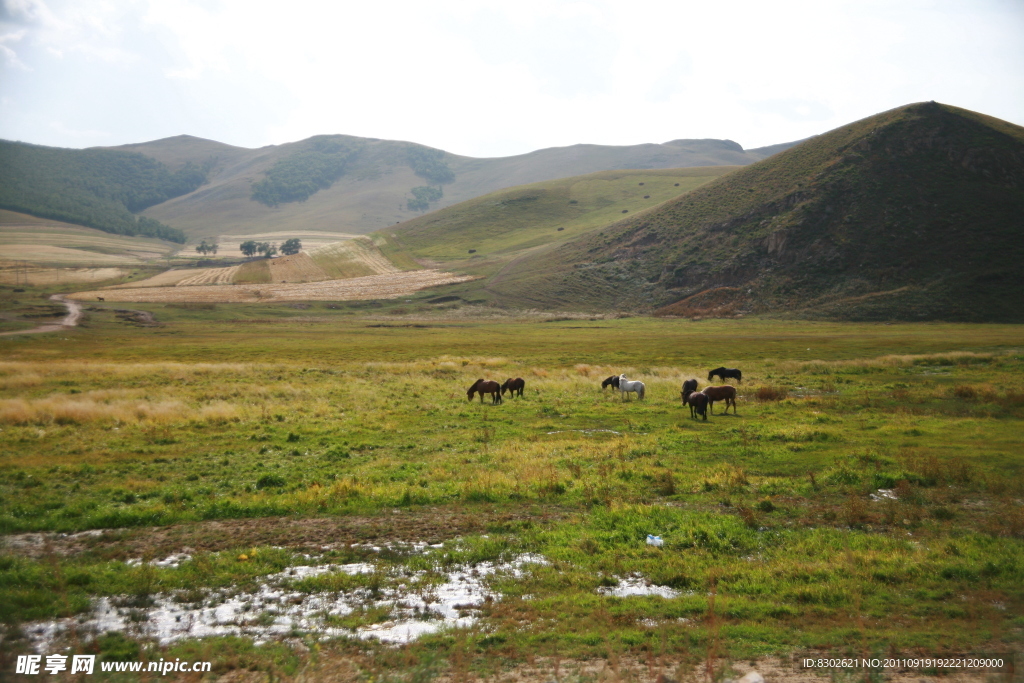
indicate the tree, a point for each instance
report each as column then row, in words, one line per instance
column 266, row 248
column 207, row 248
column 292, row 246
column 249, row 247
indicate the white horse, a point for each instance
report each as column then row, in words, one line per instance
column 627, row 385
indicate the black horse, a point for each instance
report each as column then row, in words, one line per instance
column 612, row 382
column 726, row 373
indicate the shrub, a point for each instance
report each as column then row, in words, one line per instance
column 771, row 393
column 270, row 481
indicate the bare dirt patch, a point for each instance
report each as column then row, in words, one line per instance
column 431, row 526
column 387, row 286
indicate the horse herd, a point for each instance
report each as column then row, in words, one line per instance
column 699, row 401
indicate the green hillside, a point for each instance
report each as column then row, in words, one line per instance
column 346, row 184
column 482, row 234
column 910, row 214
column 97, row 188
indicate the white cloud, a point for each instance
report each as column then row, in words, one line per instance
column 493, row 79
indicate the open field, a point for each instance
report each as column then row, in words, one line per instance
column 39, row 240
column 866, row 500
column 386, row 286
column 13, row 273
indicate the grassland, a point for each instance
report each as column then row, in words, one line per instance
column 343, row 423
column 505, row 223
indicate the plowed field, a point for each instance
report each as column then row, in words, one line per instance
column 296, row 268
column 386, row 286
column 210, row 276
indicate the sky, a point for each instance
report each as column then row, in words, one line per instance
column 492, row 79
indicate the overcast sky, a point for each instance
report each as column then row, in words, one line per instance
column 494, row 78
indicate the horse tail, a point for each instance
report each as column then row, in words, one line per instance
column 643, row 388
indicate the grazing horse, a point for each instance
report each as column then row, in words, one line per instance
column 513, row 385
column 726, row 373
column 486, row 387
column 725, row 393
column 626, row 386
column 612, row 381
column 688, row 386
column 698, row 403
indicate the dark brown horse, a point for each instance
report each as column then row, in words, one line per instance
column 688, row 386
column 724, row 393
column 698, row 403
column 513, row 385
column 612, row 381
column 486, row 387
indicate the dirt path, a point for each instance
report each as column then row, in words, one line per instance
column 69, row 321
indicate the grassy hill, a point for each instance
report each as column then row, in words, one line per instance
column 501, row 224
column 98, row 188
column 346, row 184
column 910, row 214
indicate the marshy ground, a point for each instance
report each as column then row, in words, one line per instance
column 866, row 500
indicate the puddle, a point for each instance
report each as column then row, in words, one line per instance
column 275, row 610
column 635, row 584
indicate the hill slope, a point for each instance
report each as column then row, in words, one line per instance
column 481, row 233
column 347, row 184
column 98, row 188
column 914, row 214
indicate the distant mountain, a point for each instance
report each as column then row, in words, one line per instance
column 912, row 214
column 348, row 184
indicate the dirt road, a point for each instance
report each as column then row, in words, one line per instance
column 69, row 321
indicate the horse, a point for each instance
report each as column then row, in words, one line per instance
column 725, row 393
column 626, row 386
column 688, row 386
column 486, row 387
column 612, row 381
column 698, row 403
column 726, row 373
column 513, row 385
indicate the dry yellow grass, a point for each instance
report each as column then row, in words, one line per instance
column 42, row 277
column 210, row 276
column 352, row 258
column 387, row 286
column 52, row 254
column 168, row 278
column 296, row 268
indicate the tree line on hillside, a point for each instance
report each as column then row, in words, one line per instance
column 97, row 188
column 304, row 173
column 423, row 196
column 429, row 163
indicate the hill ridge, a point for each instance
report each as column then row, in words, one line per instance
column 923, row 195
